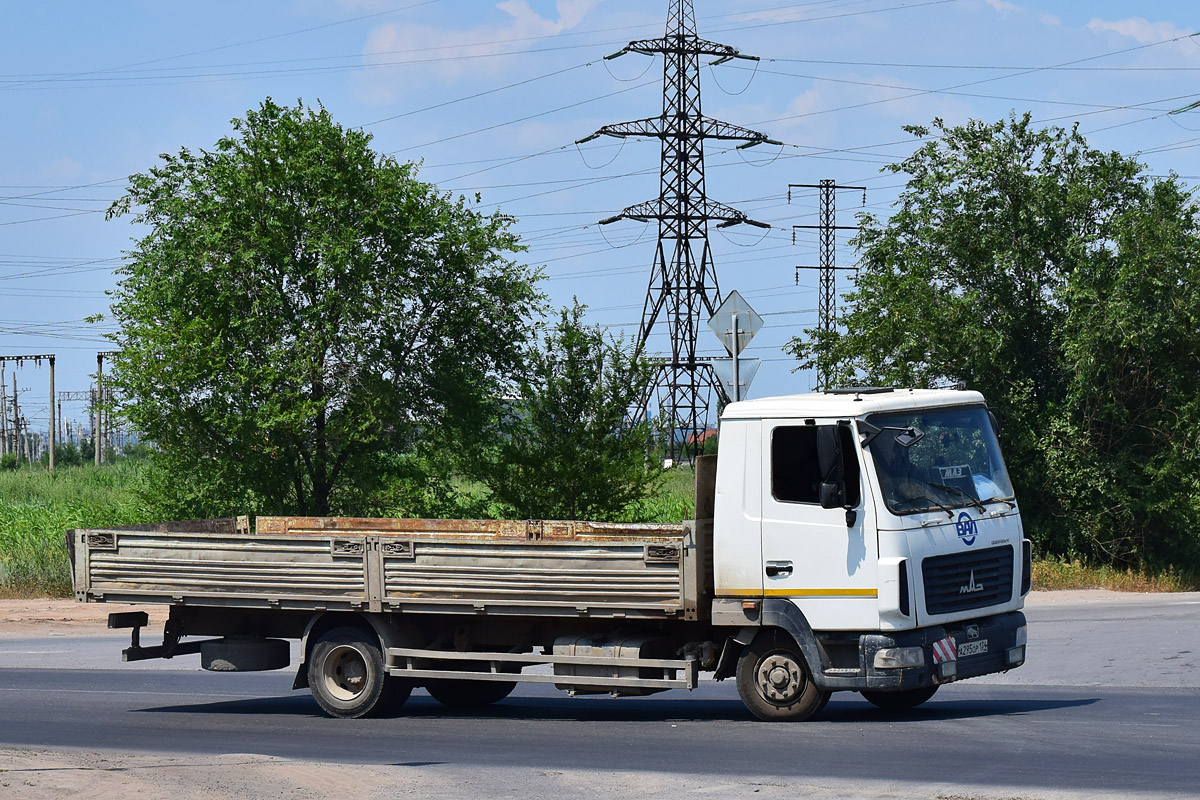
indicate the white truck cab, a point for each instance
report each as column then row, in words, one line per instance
column 887, row 520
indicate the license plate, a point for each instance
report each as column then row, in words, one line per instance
column 972, row 648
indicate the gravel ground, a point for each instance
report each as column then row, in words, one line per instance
column 31, row 774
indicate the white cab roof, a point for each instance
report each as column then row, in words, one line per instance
column 846, row 405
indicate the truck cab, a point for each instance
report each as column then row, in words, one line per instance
column 878, row 529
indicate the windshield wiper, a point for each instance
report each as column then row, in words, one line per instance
column 957, row 492
column 1006, row 501
column 949, row 511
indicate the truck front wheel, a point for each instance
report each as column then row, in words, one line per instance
column 774, row 682
column 347, row 677
column 900, row 701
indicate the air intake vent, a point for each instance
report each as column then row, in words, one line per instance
column 964, row 581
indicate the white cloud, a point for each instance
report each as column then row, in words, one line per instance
column 1003, row 7
column 365, row 6
column 795, row 123
column 1138, row 28
column 452, row 53
column 1006, row 8
column 912, row 104
column 1143, row 31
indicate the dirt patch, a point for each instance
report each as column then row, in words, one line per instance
column 35, row 774
column 20, row 617
column 31, row 774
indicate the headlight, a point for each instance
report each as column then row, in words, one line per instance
column 1022, row 636
column 900, row 657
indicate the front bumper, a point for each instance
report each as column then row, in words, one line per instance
column 1002, row 653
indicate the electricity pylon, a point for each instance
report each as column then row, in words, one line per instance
column 683, row 290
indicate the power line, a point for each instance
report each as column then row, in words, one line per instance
column 525, row 118
column 985, row 80
column 235, row 44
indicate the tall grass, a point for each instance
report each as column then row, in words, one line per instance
column 1052, row 574
column 37, row 507
column 673, row 499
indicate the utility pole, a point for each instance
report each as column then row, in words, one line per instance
column 92, row 417
column 827, row 229
column 97, row 424
column 683, row 288
column 3, row 412
column 16, row 420
column 53, row 428
column 98, row 433
column 19, row 361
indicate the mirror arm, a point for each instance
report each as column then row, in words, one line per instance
column 869, row 432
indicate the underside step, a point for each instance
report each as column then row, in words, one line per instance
column 408, row 662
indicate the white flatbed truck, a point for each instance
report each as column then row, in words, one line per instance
column 854, row 540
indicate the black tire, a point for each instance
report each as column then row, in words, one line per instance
column 347, row 678
column 244, row 655
column 454, row 693
column 467, row 694
column 774, row 682
column 395, row 695
column 900, row 701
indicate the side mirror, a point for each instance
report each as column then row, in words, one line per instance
column 829, row 454
column 832, row 491
column 833, row 494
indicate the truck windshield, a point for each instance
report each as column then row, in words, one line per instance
column 956, row 461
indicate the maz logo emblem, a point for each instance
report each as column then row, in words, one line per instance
column 971, row 587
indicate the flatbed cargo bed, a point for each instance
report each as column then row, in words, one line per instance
column 545, row 568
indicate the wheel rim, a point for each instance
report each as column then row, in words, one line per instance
column 780, row 678
column 344, row 673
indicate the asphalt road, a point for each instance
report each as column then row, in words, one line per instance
column 1115, row 710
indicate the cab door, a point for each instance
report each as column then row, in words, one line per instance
column 824, row 559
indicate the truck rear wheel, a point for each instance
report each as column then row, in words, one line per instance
column 456, row 693
column 465, row 694
column 347, row 677
column 774, row 682
column 900, row 701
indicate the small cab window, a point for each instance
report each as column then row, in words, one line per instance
column 796, row 467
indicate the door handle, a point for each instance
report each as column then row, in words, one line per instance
column 779, row 569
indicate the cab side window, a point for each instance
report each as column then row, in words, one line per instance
column 795, row 467
column 795, row 471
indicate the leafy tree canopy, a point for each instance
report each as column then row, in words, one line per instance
column 568, row 449
column 300, row 310
column 1061, row 282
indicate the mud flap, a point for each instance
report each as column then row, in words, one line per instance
column 778, row 612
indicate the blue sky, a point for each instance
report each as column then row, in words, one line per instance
column 492, row 96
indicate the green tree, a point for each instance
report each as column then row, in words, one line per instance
column 301, row 309
column 1124, row 448
column 568, row 449
column 1019, row 261
column 65, row 455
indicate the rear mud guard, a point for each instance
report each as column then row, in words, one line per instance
column 778, row 612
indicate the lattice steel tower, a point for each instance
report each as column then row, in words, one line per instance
column 827, row 228
column 683, row 290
